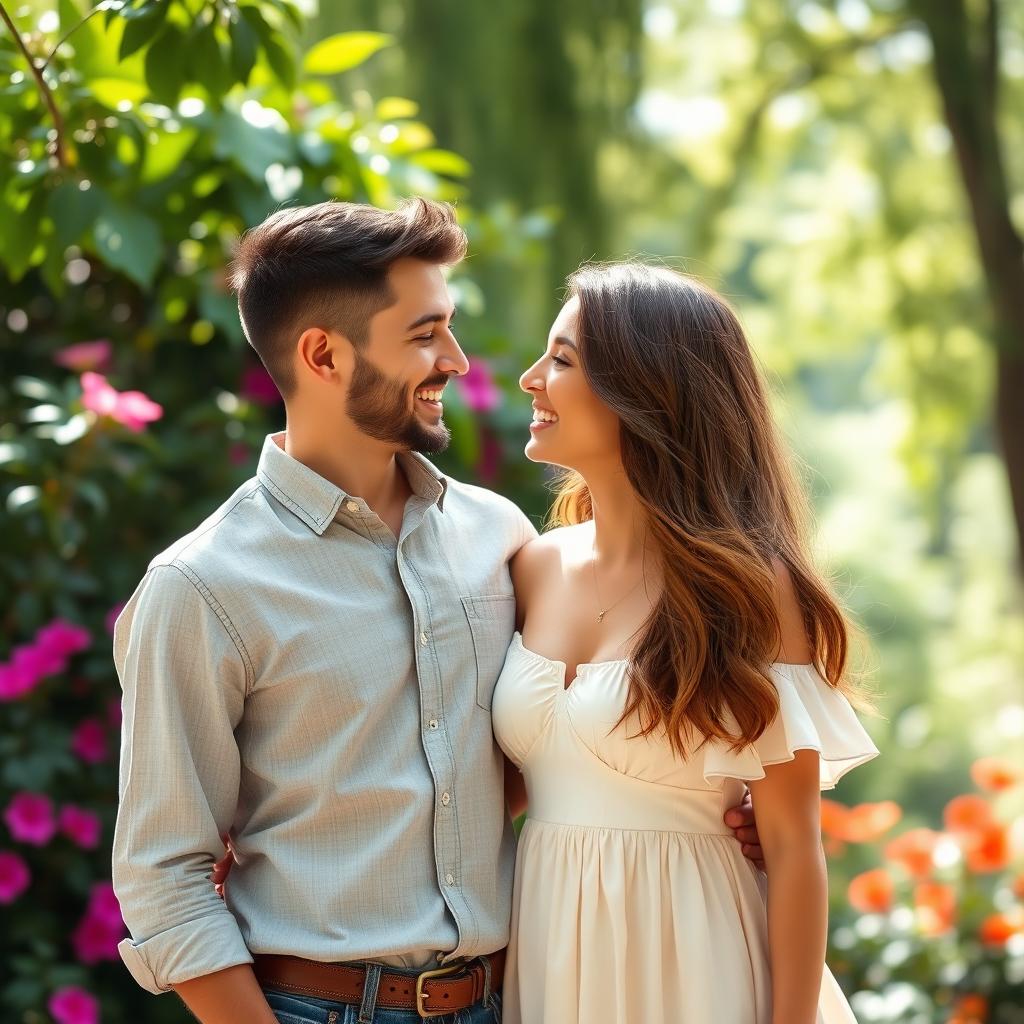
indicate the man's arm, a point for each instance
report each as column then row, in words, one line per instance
column 184, row 676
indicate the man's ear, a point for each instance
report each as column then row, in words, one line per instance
column 327, row 355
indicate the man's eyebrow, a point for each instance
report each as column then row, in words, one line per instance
column 432, row 318
column 561, row 340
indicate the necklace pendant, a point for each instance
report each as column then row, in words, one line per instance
column 600, row 617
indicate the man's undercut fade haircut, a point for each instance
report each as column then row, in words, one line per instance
column 326, row 266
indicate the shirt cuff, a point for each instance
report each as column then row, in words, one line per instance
column 186, row 951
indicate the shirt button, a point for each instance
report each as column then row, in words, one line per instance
column 450, row 878
column 352, row 506
column 424, row 639
column 432, row 723
column 446, row 798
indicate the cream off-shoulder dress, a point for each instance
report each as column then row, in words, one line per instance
column 633, row 902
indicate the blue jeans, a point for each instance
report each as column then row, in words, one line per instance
column 291, row 1009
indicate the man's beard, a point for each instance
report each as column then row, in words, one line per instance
column 378, row 407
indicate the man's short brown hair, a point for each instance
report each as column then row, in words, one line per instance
column 326, row 266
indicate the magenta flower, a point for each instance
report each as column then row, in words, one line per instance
column 15, row 682
column 112, row 615
column 63, row 638
column 133, row 409
column 71, row 1005
column 478, row 388
column 489, row 462
column 30, row 819
column 38, row 661
column 14, row 876
column 104, row 906
column 80, row 826
column 258, row 386
column 85, row 355
column 89, row 741
column 101, row 929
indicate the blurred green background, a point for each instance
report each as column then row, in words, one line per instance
column 849, row 173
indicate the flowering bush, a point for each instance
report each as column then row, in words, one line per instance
column 137, row 407
column 937, row 933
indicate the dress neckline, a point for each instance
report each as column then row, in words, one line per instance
column 517, row 638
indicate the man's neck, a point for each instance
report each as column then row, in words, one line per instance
column 361, row 466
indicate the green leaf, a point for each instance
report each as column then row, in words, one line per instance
column 72, row 211
column 396, row 108
column 441, row 161
column 129, row 241
column 20, row 235
column 253, row 149
column 205, row 60
column 36, row 389
column 165, row 64
column 112, row 91
column 165, row 155
column 24, row 498
column 142, row 27
column 343, row 51
column 244, row 43
column 280, row 60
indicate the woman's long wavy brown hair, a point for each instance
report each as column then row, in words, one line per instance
column 702, row 453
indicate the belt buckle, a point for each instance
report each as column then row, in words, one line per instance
column 421, row 996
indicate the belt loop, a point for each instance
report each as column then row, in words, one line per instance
column 486, row 961
column 368, row 1007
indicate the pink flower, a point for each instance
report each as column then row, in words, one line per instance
column 89, row 741
column 85, row 355
column 101, row 929
column 29, row 817
column 478, row 389
column 81, row 826
column 73, row 1005
column 258, row 386
column 103, row 906
column 63, row 638
column 37, row 661
column 112, row 616
column 14, row 876
column 15, row 682
column 133, row 409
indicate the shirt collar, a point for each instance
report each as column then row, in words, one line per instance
column 316, row 501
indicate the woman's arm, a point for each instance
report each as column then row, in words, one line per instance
column 226, row 997
column 787, row 803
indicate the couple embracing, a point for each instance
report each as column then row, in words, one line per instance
column 361, row 670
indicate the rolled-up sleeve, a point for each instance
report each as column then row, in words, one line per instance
column 183, row 670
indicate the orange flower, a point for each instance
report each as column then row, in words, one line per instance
column 863, row 823
column 871, row 892
column 967, row 813
column 997, row 928
column 970, row 1009
column 833, row 818
column 936, row 907
column 914, row 851
column 988, row 849
column 994, row 774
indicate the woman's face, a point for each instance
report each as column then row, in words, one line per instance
column 571, row 426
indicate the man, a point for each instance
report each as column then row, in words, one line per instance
column 311, row 669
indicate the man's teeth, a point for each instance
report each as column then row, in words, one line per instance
column 543, row 416
column 430, row 396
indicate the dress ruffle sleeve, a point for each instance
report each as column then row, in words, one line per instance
column 812, row 716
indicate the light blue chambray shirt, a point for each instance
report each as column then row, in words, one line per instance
column 296, row 676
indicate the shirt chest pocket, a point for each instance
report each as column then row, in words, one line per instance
column 491, row 622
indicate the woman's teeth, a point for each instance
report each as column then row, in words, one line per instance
column 430, row 396
column 543, row 416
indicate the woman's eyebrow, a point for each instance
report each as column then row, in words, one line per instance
column 560, row 340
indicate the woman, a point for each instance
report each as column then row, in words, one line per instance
column 674, row 643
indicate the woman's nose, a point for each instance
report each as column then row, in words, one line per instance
column 531, row 380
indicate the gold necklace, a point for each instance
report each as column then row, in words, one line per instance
column 602, row 612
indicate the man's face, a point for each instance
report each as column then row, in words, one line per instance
column 408, row 359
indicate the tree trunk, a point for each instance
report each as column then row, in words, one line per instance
column 966, row 72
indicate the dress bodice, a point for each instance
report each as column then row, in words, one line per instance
column 573, row 753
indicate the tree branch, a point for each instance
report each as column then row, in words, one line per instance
column 44, row 89
column 103, row 6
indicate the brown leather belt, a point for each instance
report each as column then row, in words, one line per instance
column 431, row 994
